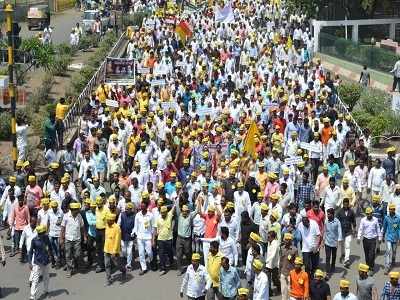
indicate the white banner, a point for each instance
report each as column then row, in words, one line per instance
column 293, row 160
column 112, row 103
column 203, row 111
column 157, row 82
column 143, row 70
column 224, row 14
column 309, row 147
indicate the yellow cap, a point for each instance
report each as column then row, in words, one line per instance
column 363, row 268
column 240, row 184
column 160, row 185
column 112, row 199
column 255, row 237
column 394, row 275
column 243, row 292
column 391, row 149
column 261, row 165
column 286, row 171
column 154, row 162
column 275, row 214
column 173, row 174
column 274, row 196
column 178, row 184
column 186, row 161
column 264, row 206
column 196, row 256
column 257, row 264
column 163, row 209
column 351, row 163
column 300, row 164
column 145, row 195
column 288, row 236
column 99, row 200
column 325, row 167
column 93, row 204
column 344, row 283
column 392, row 206
column 64, row 179
column 87, row 201
column 319, row 273
column 260, row 195
column 129, row 205
column 211, row 208
column 12, row 179
column 20, row 163
column 111, row 217
column 31, row 178
column 345, row 180
column 272, row 175
column 368, row 210
column 376, row 198
column 298, row 260
column 53, row 204
column 185, row 207
column 41, row 228
column 75, row 205
column 45, row 201
column 54, row 165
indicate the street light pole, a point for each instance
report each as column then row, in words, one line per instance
column 11, row 88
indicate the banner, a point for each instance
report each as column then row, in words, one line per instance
column 157, row 82
column 293, row 160
column 112, row 103
column 309, row 147
column 143, row 70
column 212, row 148
column 166, row 105
column 203, row 111
column 120, row 68
column 224, row 14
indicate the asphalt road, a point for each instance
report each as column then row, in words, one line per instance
column 61, row 23
column 14, row 281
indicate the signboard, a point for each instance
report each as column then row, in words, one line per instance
column 112, row 103
column 179, row 64
column 309, row 147
column 120, row 68
column 143, row 70
column 293, row 160
column 157, row 82
column 203, row 111
column 160, row 70
column 169, row 20
column 166, row 105
column 150, row 24
column 212, row 148
column 120, row 81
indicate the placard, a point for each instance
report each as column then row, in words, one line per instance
column 157, row 82
column 143, row 70
column 120, row 68
column 293, row 160
column 203, row 111
column 309, row 147
column 112, row 103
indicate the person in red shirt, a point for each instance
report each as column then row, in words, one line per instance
column 317, row 215
column 19, row 218
column 211, row 220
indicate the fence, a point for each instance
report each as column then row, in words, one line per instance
column 374, row 57
column 97, row 77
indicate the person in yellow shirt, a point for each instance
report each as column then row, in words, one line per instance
column 164, row 229
column 261, row 176
column 112, row 248
column 346, row 191
column 102, row 92
column 213, row 268
column 101, row 213
column 61, row 111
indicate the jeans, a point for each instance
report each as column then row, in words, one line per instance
column 116, row 260
column 126, row 250
column 330, row 252
column 369, row 246
column 55, row 247
column 165, row 250
column 183, row 247
column 390, row 255
column 72, row 253
column 100, row 236
column 311, row 261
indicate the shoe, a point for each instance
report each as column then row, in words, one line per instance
column 99, row 269
column 12, row 254
column 69, row 274
column 163, row 272
column 346, row 264
column 45, row 294
column 141, row 273
column 108, row 283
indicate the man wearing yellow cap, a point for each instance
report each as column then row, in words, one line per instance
column 369, row 230
column 391, row 235
column 261, row 285
column 194, row 280
column 344, row 293
column 163, row 226
column 299, row 282
column 40, row 253
column 389, row 163
column 319, row 288
column 366, row 289
column 391, row 289
column 288, row 253
column 72, row 229
column 376, row 177
column 12, row 183
column 347, row 219
column 242, row 200
column 112, row 248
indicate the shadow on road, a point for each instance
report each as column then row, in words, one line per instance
column 9, row 290
column 54, row 293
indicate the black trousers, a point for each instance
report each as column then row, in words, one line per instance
column 91, row 249
column 311, row 261
column 273, row 277
column 183, row 248
column 100, row 236
column 369, row 246
column 396, row 81
column 165, row 252
column 315, row 163
column 330, row 253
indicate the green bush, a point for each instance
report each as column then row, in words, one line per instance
column 350, row 94
column 65, row 49
column 341, row 45
column 362, row 118
column 60, row 64
column 374, row 101
column 5, row 126
column 378, row 125
column 85, row 42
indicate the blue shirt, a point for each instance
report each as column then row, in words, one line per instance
column 391, row 228
column 229, row 282
column 390, row 293
column 333, row 232
column 91, row 219
column 333, row 170
column 39, row 252
column 100, row 160
column 169, row 188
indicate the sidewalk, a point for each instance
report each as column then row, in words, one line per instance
column 379, row 80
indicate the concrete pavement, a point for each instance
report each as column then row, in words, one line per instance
column 61, row 23
column 14, row 281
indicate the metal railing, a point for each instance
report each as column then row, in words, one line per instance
column 98, row 76
column 342, row 108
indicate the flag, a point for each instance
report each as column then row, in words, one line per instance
column 224, row 13
column 183, row 30
column 249, row 141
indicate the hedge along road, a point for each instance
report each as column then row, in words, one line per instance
column 61, row 23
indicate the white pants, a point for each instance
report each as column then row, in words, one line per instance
column 126, row 248
column 144, row 247
column 36, row 272
column 285, row 287
column 206, row 249
column 345, row 247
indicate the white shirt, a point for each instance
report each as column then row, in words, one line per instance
column 233, row 226
column 228, row 249
column 194, row 281
column 55, row 219
column 27, row 236
column 310, row 236
column 43, row 216
column 144, row 225
column 162, row 158
column 242, row 202
column 350, row 296
column 261, row 291
column 369, row 229
column 376, row 178
column 72, row 226
column 272, row 260
column 332, row 197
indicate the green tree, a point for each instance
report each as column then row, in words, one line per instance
column 43, row 55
